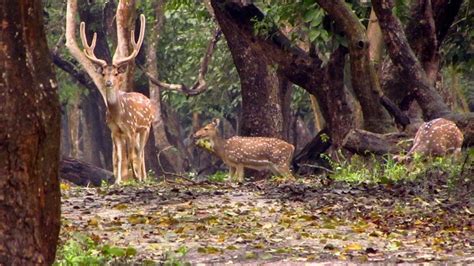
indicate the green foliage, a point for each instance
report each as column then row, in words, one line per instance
column 81, row 249
column 218, row 176
column 187, row 31
column 384, row 170
column 176, row 258
column 304, row 19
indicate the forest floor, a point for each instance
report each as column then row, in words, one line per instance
column 311, row 220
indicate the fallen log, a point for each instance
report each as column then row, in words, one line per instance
column 363, row 142
column 84, row 174
column 311, row 154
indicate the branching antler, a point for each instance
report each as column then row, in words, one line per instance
column 136, row 45
column 89, row 49
column 200, row 85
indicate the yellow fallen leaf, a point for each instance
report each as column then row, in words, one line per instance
column 64, row 187
column 353, row 247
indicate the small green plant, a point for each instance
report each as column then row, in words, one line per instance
column 81, row 249
column 219, row 176
column 176, row 258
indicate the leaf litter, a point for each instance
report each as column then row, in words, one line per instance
column 264, row 222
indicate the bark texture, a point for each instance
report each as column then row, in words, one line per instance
column 262, row 86
column 406, row 62
column 29, row 139
column 363, row 77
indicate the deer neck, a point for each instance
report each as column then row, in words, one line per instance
column 113, row 98
column 218, row 144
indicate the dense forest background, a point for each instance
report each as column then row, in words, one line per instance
column 347, row 82
column 177, row 37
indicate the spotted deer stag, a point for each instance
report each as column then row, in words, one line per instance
column 257, row 153
column 437, row 137
column 129, row 114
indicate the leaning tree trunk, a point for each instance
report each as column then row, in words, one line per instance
column 363, row 77
column 167, row 156
column 29, row 139
column 406, row 62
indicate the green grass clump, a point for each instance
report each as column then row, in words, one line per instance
column 81, row 249
column 384, row 169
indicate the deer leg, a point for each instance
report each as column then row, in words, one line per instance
column 285, row 171
column 123, row 164
column 134, row 153
column 239, row 173
column 231, row 172
column 118, row 145
column 143, row 139
column 114, row 157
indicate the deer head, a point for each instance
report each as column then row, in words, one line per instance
column 210, row 131
column 112, row 73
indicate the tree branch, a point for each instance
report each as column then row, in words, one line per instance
column 71, row 44
column 200, row 85
column 72, row 70
column 406, row 62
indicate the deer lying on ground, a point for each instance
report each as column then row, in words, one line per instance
column 257, row 153
column 437, row 137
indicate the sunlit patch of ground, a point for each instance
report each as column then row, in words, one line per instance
column 268, row 222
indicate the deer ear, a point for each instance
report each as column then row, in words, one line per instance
column 122, row 69
column 216, row 122
column 99, row 69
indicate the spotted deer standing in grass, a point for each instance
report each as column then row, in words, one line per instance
column 437, row 137
column 258, row 153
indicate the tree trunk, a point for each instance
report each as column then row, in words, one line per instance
column 74, row 121
column 262, row 87
column 29, row 139
column 374, row 35
column 363, row 77
column 167, row 156
column 96, row 132
column 405, row 62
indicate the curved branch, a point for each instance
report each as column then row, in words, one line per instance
column 73, row 71
column 71, row 44
column 200, row 85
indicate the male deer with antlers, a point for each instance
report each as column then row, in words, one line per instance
column 437, row 137
column 257, row 153
column 129, row 114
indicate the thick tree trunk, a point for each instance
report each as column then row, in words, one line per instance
column 74, row 121
column 29, row 139
column 262, row 87
column 340, row 113
column 294, row 63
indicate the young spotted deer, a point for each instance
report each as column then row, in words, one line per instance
column 437, row 137
column 257, row 153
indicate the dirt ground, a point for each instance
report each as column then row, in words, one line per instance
column 312, row 220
